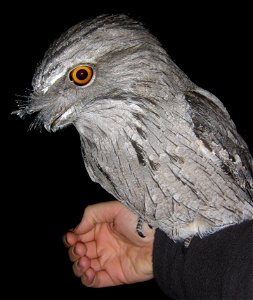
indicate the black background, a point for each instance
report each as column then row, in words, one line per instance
column 45, row 185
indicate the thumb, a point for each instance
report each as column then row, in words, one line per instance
column 98, row 213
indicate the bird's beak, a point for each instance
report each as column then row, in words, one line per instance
column 61, row 120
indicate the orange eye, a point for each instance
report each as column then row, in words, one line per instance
column 81, row 75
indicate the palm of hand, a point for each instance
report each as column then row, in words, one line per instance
column 106, row 250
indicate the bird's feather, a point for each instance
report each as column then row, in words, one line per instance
column 213, row 126
column 161, row 145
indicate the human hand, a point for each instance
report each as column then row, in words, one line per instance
column 105, row 248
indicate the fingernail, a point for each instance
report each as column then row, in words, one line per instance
column 75, row 253
column 65, row 242
column 85, row 278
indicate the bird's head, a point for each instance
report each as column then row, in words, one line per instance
column 98, row 61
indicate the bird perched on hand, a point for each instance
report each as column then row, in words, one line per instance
column 161, row 145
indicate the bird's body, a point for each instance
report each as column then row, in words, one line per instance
column 160, row 144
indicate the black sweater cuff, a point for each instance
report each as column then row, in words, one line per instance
column 219, row 266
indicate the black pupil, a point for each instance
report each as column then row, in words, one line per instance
column 81, row 74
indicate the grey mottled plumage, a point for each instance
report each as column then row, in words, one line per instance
column 160, row 144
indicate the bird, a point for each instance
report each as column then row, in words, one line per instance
column 157, row 142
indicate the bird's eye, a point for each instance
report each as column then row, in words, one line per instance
column 81, row 75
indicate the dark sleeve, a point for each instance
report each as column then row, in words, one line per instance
column 219, row 266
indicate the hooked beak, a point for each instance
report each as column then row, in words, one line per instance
column 60, row 120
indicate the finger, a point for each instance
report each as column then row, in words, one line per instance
column 81, row 266
column 88, row 249
column 94, row 264
column 77, row 251
column 98, row 213
column 84, row 263
column 97, row 279
column 91, row 250
column 88, row 277
column 86, row 237
column 69, row 239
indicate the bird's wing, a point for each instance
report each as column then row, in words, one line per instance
column 213, row 126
